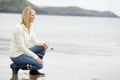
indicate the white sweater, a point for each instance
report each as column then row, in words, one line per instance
column 21, row 40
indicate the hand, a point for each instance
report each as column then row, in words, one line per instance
column 39, row 60
column 45, row 45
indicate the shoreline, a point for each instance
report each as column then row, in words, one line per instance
column 71, row 48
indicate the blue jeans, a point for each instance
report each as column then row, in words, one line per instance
column 25, row 60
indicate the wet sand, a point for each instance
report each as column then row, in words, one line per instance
column 61, row 66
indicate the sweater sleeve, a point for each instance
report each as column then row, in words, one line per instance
column 19, row 38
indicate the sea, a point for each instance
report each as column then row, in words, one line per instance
column 98, row 36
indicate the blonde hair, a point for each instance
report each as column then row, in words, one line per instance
column 25, row 16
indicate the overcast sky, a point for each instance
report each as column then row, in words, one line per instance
column 101, row 5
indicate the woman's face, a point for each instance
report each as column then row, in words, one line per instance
column 32, row 16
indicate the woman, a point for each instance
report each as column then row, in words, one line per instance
column 23, row 56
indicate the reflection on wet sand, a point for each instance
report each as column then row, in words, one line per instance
column 31, row 77
column 14, row 77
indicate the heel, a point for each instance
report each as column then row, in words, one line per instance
column 14, row 68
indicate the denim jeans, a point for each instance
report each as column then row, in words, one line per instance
column 24, row 59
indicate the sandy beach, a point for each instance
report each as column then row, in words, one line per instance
column 61, row 66
column 80, row 48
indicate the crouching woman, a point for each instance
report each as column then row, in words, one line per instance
column 23, row 55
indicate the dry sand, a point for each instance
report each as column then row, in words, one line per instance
column 61, row 66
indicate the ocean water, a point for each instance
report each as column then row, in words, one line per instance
column 71, row 35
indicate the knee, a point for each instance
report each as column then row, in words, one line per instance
column 40, row 66
column 42, row 50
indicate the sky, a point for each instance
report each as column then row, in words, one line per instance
column 100, row 5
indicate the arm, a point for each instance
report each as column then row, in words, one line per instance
column 39, row 43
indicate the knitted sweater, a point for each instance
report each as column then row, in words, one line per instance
column 21, row 40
